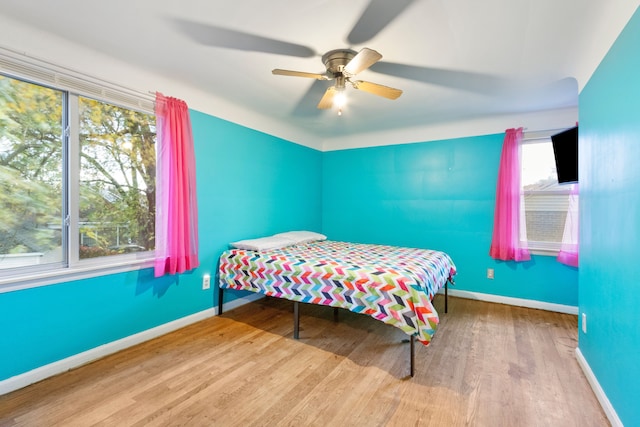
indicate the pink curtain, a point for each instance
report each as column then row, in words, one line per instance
column 176, row 204
column 569, row 248
column 507, row 244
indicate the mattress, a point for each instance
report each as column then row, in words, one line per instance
column 394, row 285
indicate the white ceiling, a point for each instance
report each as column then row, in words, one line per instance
column 455, row 60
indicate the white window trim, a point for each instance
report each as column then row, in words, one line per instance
column 23, row 67
column 84, row 270
column 544, row 248
column 40, row 71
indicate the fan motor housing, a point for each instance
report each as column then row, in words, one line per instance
column 335, row 60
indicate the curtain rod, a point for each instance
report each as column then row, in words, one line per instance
column 541, row 134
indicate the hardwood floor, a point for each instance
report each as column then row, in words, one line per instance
column 488, row 365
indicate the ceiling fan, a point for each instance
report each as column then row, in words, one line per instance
column 342, row 65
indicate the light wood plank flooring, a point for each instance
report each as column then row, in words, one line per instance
column 488, row 365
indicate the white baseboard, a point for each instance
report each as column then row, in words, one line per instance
column 60, row 366
column 519, row 302
column 599, row 392
column 240, row 302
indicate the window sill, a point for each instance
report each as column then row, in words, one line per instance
column 62, row 275
column 544, row 252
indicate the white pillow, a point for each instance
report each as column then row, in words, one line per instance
column 302, row 236
column 263, row 243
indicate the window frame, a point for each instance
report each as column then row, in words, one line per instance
column 73, row 85
column 539, row 247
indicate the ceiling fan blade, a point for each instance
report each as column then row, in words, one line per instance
column 307, row 105
column 212, row 35
column 376, row 89
column 464, row 80
column 327, row 98
column 316, row 76
column 363, row 60
column 375, row 18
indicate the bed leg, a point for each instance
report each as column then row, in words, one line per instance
column 335, row 314
column 220, row 299
column 446, row 296
column 412, row 358
column 296, row 320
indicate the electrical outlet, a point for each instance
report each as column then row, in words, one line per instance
column 490, row 273
column 206, row 281
column 584, row 323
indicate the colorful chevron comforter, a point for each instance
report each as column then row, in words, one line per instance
column 392, row 284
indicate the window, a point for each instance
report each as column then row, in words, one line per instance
column 117, row 180
column 545, row 201
column 77, row 178
column 31, row 163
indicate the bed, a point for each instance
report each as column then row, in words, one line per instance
column 395, row 285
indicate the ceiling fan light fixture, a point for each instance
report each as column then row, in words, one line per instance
column 340, row 99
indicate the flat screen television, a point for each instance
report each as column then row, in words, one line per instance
column 565, row 150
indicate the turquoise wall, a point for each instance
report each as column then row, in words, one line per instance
column 249, row 184
column 438, row 195
column 610, row 223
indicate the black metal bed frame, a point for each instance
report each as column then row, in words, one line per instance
column 296, row 320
